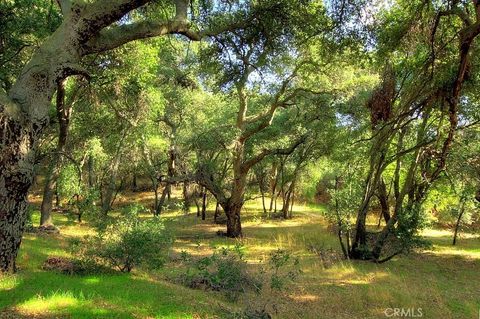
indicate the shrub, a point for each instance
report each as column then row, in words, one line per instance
column 281, row 269
column 225, row 270
column 285, row 269
column 126, row 243
column 86, row 204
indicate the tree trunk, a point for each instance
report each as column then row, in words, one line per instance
column 171, row 167
column 58, row 202
column 91, row 174
column 161, row 202
column 273, row 185
column 134, row 182
column 457, row 224
column 204, row 203
column 263, row 201
column 261, row 186
column 16, row 176
column 359, row 249
column 291, row 204
column 383, row 199
column 234, row 226
column 286, row 202
column 155, row 203
column 195, row 198
column 217, row 212
column 63, row 116
column 186, row 198
column 48, row 193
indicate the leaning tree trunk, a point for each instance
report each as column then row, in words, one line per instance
column 459, row 219
column 161, row 202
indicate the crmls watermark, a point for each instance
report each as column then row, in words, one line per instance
column 404, row 312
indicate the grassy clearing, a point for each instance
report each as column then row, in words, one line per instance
column 443, row 281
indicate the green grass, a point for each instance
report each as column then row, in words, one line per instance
column 443, row 281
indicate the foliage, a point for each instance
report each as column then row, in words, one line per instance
column 69, row 182
column 285, row 269
column 410, row 224
column 128, row 242
column 86, row 205
column 225, row 270
column 29, row 220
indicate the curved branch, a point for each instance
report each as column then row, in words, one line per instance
column 114, row 37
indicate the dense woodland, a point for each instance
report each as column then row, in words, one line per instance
column 133, row 131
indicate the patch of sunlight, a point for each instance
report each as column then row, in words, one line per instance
column 91, row 280
column 194, row 251
column 265, row 225
column 286, row 240
column 8, row 282
column 305, row 298
column 29, row 237
column 455, row 251
column 347, row 275
column 262, row 247
column 341, row 271
column 76, row 231
column 436, row 233
column 53, row 303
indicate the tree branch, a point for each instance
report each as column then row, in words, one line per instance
column 65, row 6
column 278, row 151
column 101, row 14
column 117, row 36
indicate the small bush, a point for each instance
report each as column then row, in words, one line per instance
column 285, row 269
column 126, row 243
column 280, row 271
column 225, row 270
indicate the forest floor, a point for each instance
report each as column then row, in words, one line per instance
column 443, row 281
